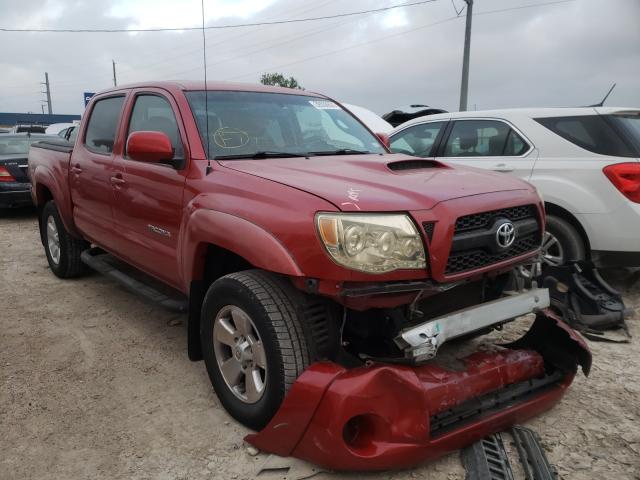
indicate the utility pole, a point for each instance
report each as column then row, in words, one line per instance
column 115, row 82
column 47, row 92
column 464, row 85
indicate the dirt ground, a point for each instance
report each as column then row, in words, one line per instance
column 96, row 384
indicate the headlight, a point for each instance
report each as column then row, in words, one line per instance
column 375, row 243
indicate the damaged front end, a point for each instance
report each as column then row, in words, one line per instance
column 385, row 416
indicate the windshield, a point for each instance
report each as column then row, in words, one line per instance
column 248, row 124
column 15, row 146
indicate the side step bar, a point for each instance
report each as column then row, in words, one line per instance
column 97, row 259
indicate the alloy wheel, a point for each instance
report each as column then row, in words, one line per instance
column 53, row 240
column 552, row 251
column 240, row 354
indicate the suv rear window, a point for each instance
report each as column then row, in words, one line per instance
column 591, row 132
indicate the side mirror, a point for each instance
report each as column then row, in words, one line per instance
column 152, row 147
column 384, row 139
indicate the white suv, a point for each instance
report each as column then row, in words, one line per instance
column 584, row 162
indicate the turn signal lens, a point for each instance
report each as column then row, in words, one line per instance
column 5, row 176
column 626, row 178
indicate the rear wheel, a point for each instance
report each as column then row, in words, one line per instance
column 561, row 242
column 253, row 343
column 63, row 251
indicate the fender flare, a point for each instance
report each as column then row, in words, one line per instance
column 44, row 177
column 244, row 238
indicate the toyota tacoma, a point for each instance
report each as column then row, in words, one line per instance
column 321, row 273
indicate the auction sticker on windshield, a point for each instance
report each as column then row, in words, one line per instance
column 324, row 105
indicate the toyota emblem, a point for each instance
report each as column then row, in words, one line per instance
column 505, row 235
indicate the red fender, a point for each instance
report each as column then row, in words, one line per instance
column 240, row 236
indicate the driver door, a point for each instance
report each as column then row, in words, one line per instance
column 148, row 196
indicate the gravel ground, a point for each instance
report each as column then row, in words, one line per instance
column 96, row 384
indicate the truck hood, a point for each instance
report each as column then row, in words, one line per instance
column 378, row 182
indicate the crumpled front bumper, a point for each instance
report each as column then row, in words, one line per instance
column 392, row 416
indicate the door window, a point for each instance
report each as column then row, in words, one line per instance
column 101, row 130
column 483, row 138
column 154, row 113
column 418, row 140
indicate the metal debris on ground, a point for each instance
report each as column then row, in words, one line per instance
column 487, row 459
column 587, row 302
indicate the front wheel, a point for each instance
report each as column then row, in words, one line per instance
column 253, row 343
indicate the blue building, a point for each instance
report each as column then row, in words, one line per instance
column 11, row 119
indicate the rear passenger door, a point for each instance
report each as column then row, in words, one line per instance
column 91, row 169
column 490, row 144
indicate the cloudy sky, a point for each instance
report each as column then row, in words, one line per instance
column 548, row 55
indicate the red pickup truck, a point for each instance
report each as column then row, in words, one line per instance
column 321, row 273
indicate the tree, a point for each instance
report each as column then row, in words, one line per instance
column 279, row 80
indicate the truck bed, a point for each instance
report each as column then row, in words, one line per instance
column 49, row 162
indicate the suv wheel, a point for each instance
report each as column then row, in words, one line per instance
column 63, row 251
column 253, row 343
column 561, row 242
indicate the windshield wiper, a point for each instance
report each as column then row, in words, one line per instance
column 342, row 151
column 261, row 154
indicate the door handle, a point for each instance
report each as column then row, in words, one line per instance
column 117, row 181
column 502, row 167
column 76, row 169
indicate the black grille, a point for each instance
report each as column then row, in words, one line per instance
column 480, row 258
column 491, row 403
column 474, row 245
column 482, row 220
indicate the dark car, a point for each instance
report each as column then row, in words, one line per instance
column 15, row 189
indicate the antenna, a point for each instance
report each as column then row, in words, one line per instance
column 206, row 95
column 605, row 97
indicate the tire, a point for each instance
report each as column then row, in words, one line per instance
column 65, row 260
column 275, row 322
column 568, row 244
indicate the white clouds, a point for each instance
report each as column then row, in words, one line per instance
column 395, row 18
column 170, row 13
column 566, row 54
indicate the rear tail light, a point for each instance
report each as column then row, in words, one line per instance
column 626, row 178
column 5, row 175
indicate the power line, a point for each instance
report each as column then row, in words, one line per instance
column 212, row 27
column 227, row 38
column 531, row 5
column 486, row 12
column 350, row 47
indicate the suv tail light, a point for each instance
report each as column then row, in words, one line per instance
column 626, row 178
column 5, row 175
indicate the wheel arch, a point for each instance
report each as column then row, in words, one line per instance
column 563, row 213
column 42, row 196
column 217, row 244
column 213, row 233
column 46, row 186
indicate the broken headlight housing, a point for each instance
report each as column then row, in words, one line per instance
column 373, row 243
